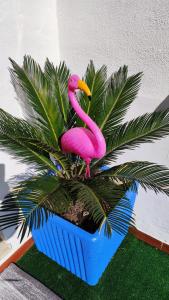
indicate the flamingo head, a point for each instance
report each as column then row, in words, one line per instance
column 75, row 83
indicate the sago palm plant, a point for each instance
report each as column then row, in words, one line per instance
column 35, row 140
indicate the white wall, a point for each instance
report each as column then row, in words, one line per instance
column 26, row 27
column 129, row 32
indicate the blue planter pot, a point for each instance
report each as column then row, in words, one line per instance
column 84, row 254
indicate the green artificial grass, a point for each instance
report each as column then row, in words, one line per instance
column 137, row 271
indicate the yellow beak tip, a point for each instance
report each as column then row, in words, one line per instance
column 83, row 86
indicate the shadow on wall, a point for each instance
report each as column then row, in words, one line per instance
column 163, row 105
column 4, row 188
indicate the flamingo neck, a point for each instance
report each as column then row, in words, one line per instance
column 101, row 145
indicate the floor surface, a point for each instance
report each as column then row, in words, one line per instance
column 137, row 271
column 15, row 284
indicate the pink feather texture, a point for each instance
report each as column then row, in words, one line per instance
column 84, row 142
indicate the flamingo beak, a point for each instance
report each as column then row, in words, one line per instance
column 83, row 87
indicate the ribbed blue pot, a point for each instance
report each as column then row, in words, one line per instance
column 84, row 254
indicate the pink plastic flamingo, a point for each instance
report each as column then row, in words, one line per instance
column 87, row 143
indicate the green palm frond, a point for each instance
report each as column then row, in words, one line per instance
column 118, row 207
column 17, row 144
column 120, row 93
column 58, row 156
column 31, row 82
column 26, row 143
column 99, row 198
column 149, row 175
column 58, row 78
column 96, row 81
column 71, row 119
column 146, row 128
column 32, row 201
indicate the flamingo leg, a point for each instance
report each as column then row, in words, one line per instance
column 87, row 173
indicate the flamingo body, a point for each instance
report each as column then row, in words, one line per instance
column 80, row 141
column 87, row 143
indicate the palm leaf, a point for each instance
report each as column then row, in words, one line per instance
column 58, row 156
column 101, row 202
column 146, row 128
column 31, row 202
column 31, row 82
column 58, row 78
column 118, row 207
column 149, row 175
column 26, row 143
column 96, row 81
column 120, row 93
